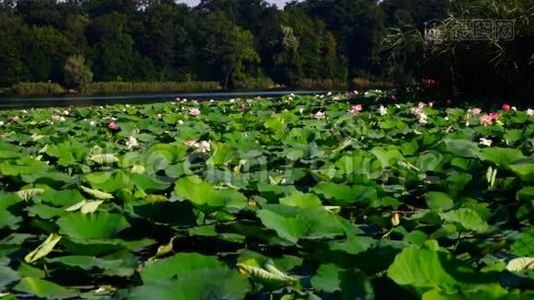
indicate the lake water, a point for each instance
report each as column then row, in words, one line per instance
column 34, row 102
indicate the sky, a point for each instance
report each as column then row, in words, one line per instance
column 279, row 3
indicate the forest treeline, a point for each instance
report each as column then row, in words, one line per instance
column 250, row 43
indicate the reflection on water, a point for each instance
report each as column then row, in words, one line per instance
column 29, row 102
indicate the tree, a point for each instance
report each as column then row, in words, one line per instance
column 403, row 50
column 163, row 37
column 11, row 66
column 226, row 52
column 491, row 67
column 44, row 51
column 40, row 12
column 77, row 74
column 358, row 26
column 115, row 57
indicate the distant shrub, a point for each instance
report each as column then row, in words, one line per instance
column 76, row 73
column 322, row 84
column 149, row 87
column 29, row 89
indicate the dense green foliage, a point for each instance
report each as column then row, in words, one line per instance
column 250, row 43
column 307, row 197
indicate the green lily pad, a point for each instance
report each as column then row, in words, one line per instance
column 293, row 224
column 96, row 226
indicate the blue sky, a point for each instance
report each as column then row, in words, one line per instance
column 279, row 3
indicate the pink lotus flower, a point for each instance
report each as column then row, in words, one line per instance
column 449, row 101
column 474, row 111
column 195, row 112
column 430, row 82
column 243, row 106
column 202, row 146
column 113, row 126
column 417, row 110
column 495, row 116
column 485, row 120
column 506, row 107
column 354, row 110
column 191, row 143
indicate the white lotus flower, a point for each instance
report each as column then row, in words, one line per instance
column 132, row 142
column 92, row 123
column 485, row 142
column 180, row 122
column 58, row 118
column 1, row 123
column 530, row 112
column 319, row 115
column 204, row 146
column 423, row 118
column 382, row 110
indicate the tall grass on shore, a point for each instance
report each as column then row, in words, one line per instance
column 149, row 87
column 31, row 89
column 322, row 84
column 363, row 83
column 261, row 83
